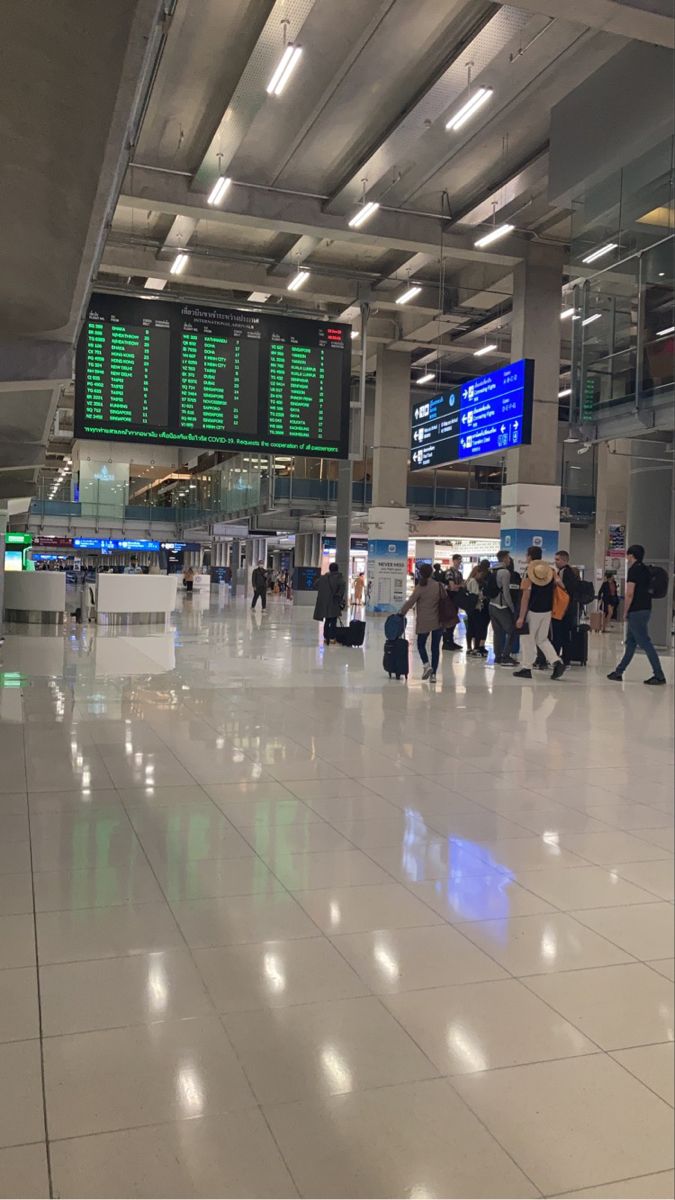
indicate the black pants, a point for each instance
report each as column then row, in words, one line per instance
column 260, row 594
column 561, row 636
column 476, row 628
column 330, row 629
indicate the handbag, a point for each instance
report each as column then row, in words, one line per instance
column 467, row 600
column 561, row 602
column 446, row 607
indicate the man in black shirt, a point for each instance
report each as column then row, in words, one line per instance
column 561, row 630
column 259, row 581
column 637, row 609
column 535, row 607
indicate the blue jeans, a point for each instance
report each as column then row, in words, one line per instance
column 436, row 635
column 637, row 635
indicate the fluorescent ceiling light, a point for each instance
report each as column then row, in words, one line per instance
column 565, row 392
column 179, row 264
column 590, row 320
column 663, row 332
column 259, row 297
column 494, row 235
column 567, row 312
column 298, row 280
column 571, row 438
column 426, row 378
column 363, row 214
column 354, row 334
column 155, row 284
column 479, row 98
column 219, row 189
column 287, row 64
column 599, row 253
column 485, row 349
column 409, row 294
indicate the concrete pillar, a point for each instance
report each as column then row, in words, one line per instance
column 343, row 540
column 531, row 494
column 3, row 526
column 391, row 429
column 651, row 520
column 611, row 499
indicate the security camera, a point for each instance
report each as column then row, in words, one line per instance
column 585, row 448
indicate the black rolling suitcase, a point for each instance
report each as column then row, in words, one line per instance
column 579, row 645
column 352, row 634
column 395, row 661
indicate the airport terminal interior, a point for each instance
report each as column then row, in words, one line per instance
column 337, row 535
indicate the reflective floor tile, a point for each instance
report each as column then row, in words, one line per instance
column 615, row 1006
column 610, row 849
column 655, row 878
column 664, row 966
column 665, row 838
column 276, row 974
column 366, row 1144
column 478, row 897
column 16, row 894
column 18, row 1005
column 326, row 789
column 153, row 1073
column 573, row 1123
column 107, row 993
column 315, row 768
column 654, row 1065
column 277, row 841
column 21, row 1113
column 231, row 1155
column 44, row 774
column 523, row 854
column 643, row 930
column 15, row 859
column 17, row 941
column 214, row 877
column 481, row 1026
column 329, row 868
column 96, row 887
column 156, row 767
column 427, row 858
column 388, row 831
column 398, row 960
column 645, row 1187
column 352, row 910
column 85, row 802
column 267, row 789
column 234, row 920
column 13, row 802
column 23, row 1172
column 247, row 814
column 631, row 816
column 553, row 942
column 343, row 810
column 106, row 932
column 584, row 887
column 324, row 1049
column 13, row 827
column 148, row 798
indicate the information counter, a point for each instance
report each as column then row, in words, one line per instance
column 135, row 599
column 35, row 597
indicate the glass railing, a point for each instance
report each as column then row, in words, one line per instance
column 622, row 334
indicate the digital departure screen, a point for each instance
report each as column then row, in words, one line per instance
column 484, row 416
column 155, row 371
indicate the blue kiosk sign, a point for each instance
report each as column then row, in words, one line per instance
column 484, row 416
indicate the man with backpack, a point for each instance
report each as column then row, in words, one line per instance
column 637, row 610
column 562, row 621
column 501, row 609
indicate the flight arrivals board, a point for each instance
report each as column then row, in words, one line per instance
column 160, row 372
column 486, row 415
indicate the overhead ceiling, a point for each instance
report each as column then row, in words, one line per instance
column 363, row 115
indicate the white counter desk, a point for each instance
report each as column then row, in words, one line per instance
column 135, row 599
column 35, row 597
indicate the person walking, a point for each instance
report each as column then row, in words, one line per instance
column 536, row 604
column 501, row 611
column 561, row 628
column 359, row 589
column 608, row 600
column 637, row 611
column 477, row 620
column 455, row 581
column 330, row 601
column 259, row 581
column 189, row 580
column 426, row 597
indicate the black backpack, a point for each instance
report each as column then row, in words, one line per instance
column 658, row 582
column 491, row 587
column 585, row 592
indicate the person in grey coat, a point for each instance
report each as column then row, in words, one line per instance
column 330, row 601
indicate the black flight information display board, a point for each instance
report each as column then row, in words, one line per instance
column 160, row 372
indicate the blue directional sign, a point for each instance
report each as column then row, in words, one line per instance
column 484, row 416
column 110, row 544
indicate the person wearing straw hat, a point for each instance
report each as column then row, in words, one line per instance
column 536, row 604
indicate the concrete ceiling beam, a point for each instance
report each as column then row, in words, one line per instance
column 621, row 17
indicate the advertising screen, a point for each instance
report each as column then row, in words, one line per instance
column 160, row 372
column 487, row 415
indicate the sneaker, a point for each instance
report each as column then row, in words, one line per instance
column 426, row 673
column 653, row 681
column 508, row 662
column 432, row 677
column 452, row 646
column 558, row 670
column 482, row 651
column 524, row 674
column 540, row 666
column 615, row 676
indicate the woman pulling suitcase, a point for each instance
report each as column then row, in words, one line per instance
column 429, row 598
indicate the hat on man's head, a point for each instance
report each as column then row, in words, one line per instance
column 540, row 573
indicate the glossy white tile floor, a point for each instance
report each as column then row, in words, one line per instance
column 273, row 925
